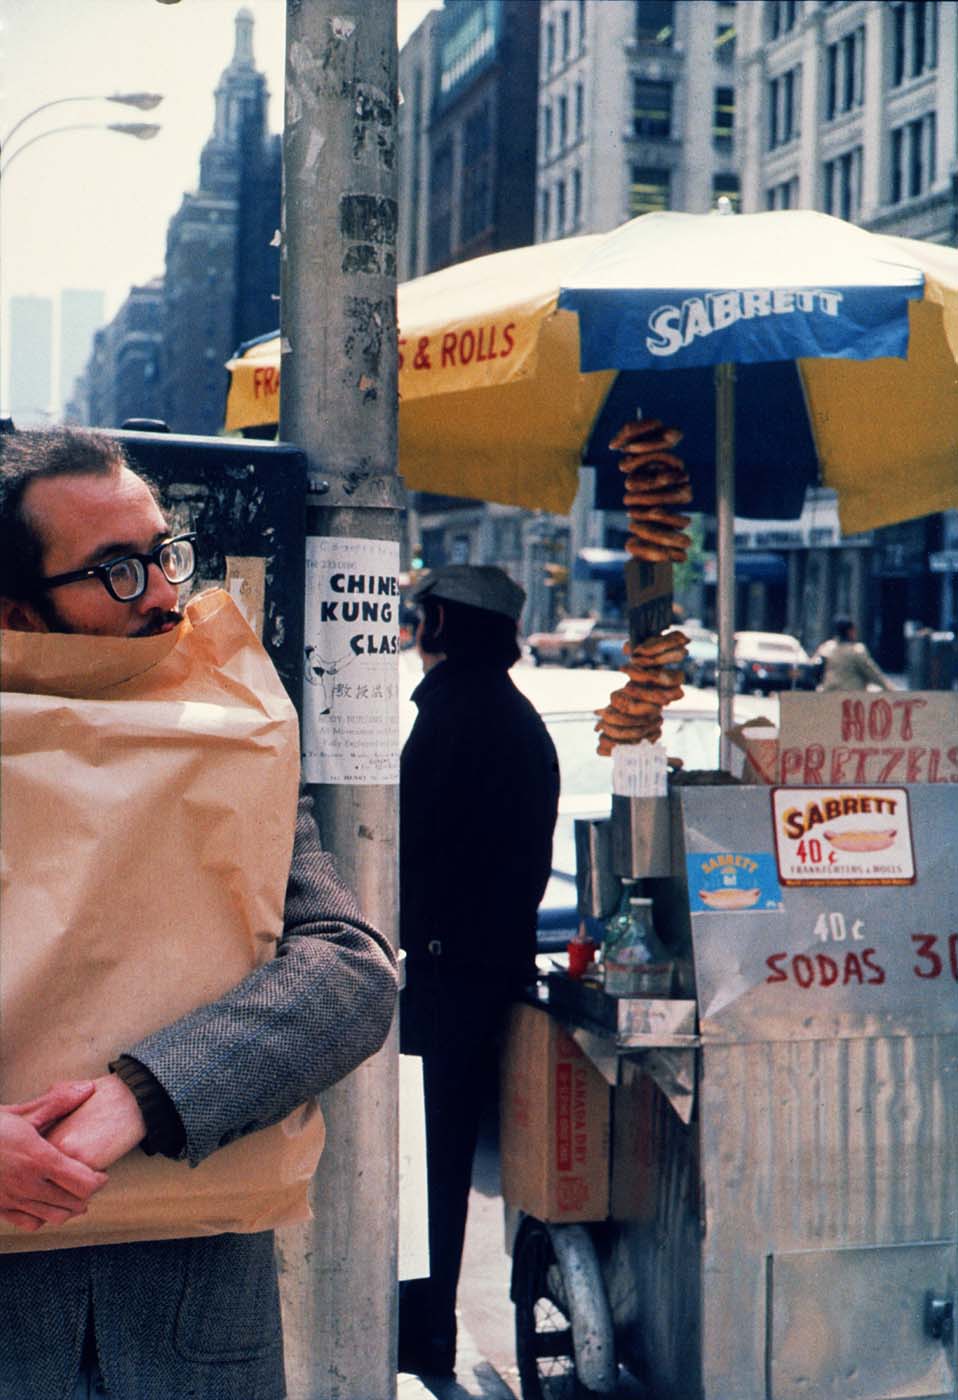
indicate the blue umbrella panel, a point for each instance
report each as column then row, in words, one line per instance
column 775, row 458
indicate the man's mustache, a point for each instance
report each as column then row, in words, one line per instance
column 157, row 622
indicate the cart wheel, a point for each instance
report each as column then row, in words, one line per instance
column 544, row 1350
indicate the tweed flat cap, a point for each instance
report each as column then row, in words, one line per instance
column 478, row 585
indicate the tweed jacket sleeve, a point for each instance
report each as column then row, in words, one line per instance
column 293, row 1027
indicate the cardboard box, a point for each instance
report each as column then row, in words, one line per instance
column 554, row 1130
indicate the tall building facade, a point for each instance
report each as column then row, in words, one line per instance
column 467, row 156
column 31, row 360
column 81, row 315
column 123, row 377
column 636, row 111
column 417, row 76
column 222, row 264
column 482, row 133
column 852, row 109
column 164, row 353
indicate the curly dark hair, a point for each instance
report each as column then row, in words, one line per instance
column 27, row 456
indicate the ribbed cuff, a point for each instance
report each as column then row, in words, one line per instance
column 165, row 1134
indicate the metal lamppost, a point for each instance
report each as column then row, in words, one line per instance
column 142, row 131
column 143, row 101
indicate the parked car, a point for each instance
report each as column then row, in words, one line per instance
column 610, row 650
column 570, row 644
column 769, row 661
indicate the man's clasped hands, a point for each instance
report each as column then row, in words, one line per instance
column 55, row 1149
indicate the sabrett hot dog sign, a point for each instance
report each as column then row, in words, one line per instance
column 843, row 836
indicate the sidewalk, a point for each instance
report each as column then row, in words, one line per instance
column 476, row 1378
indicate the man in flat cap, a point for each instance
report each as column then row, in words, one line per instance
column 479, row 789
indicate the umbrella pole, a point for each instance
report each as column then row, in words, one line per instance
column 725, row 540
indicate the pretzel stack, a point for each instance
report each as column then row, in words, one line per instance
column 655, row 483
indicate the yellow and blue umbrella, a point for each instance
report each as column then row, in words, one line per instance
column 495, row 405
column 844, row 344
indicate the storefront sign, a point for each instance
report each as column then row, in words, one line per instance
column 350, row 702
column 843, row 836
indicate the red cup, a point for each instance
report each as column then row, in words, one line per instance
column 581, row 955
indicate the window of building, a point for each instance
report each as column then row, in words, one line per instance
column 913, row 158
column 560, row 207
column 544, row 214
column 550, row 51
column 783, row 195
column 781, row 16
column 440, row 206
column 566, row 22
column 576, row 198
column 725, row 40
column 579, row 109
column 581, row 8
column 655, row 22
column 651, row 108
column 477, row 174
column 730, row 186
column 563, row 122
column 843, row 185
column 547, row 131
column 650, row 189
column 845, row 74
column 723, row 118
column 914, row 39
column 783, row 107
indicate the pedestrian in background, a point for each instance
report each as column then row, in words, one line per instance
column 848, row 664
column 479, row 788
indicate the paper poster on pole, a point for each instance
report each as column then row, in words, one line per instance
column 351, row 690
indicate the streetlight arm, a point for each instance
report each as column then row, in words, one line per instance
column 143, row 131
column 145, row 101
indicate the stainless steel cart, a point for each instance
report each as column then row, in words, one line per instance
column 793, row 1234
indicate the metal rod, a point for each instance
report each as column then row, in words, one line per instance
column 725, row 540
column 339, row 403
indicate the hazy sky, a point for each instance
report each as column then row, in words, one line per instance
column 90, row 208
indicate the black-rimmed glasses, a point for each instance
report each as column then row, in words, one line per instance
column 125, row 579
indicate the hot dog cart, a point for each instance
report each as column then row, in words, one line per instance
column 781, row 1221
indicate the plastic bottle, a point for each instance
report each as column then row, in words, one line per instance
column 636, row 962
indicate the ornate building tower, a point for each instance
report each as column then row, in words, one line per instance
column 222, row 270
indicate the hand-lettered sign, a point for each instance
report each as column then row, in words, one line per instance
column 868, row 737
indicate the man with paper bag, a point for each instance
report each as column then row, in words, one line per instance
column 181, row 968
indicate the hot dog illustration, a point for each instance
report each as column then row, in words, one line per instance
column 861, row 840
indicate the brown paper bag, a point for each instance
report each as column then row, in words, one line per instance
column 148, row 797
